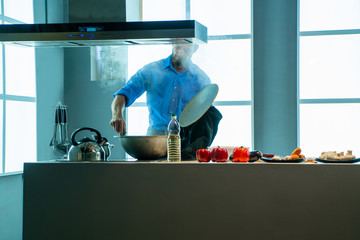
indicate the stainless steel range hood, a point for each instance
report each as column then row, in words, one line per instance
column 103, row 34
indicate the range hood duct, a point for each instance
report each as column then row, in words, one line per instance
column 103, row 34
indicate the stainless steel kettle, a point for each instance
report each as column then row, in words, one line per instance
column 86, row 149
column 106, row 146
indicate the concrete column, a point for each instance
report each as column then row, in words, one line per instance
column 275, row 75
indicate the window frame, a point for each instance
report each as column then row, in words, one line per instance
column 8, row 97
column 302, row 101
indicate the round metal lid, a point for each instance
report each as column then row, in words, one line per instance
column 198, row 105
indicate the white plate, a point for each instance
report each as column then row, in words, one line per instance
column 338, row 161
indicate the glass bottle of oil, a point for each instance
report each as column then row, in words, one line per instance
column 173, row 142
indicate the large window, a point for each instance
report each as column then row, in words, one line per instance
column 17, row 93
column 226, row 59
column 329, row 80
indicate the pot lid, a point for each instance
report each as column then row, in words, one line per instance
column 198, row 105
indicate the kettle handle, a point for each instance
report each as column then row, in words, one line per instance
column 75, row 143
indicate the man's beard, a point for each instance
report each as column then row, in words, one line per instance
column 181, row 63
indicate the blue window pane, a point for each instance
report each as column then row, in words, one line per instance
column 138, row 120
column 235, row 127
column 223, row 17
column 18, row 127
column 329, row 14
column 329, row 127
column 155, row 10
column 228, row 64
column 1, row 68
column 1, row 134
column 21, row 10
column 329, row 66
column 21, row 83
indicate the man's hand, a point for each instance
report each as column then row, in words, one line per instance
column 117, row 121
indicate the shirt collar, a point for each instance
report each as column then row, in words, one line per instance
column 167, row 62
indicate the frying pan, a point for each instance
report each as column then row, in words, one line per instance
column 198, row 105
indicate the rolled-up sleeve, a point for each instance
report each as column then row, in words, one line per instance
column 133, row 89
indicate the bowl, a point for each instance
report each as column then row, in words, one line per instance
column 145, row 147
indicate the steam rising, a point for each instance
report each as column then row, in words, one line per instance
column 109, row 66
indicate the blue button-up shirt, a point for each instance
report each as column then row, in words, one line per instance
column 167, row 91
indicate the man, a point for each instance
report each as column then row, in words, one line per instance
column 169, row 83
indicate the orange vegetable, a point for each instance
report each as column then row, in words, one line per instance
column 297, row 151
column 301, row 156
column 241, row 154
column 292, row 157
column 310, row 161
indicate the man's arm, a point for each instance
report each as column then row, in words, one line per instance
column 117, row 121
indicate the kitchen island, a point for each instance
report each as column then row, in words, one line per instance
column 190, row 200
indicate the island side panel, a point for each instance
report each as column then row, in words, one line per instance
column 191, row 201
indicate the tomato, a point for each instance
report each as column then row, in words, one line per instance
column 203, row 155
column 241, row 154
column 219, row 154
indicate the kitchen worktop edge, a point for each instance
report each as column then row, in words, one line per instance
column 191, row 162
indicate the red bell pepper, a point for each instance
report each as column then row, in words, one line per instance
column 241, row 154
column 203, row 155
column 219, row 154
